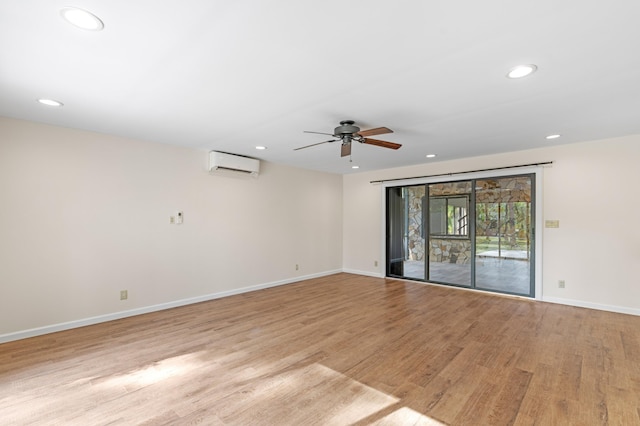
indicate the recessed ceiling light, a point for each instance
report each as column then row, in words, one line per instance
column 522, row 71
column 431, row 155
column 81, row 19
column 355, row 167
column 261, row 147
column 50, row 102
column 552, row 137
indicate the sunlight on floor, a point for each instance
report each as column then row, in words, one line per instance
column 267, row 393
column 106, row 397
column 305, row 390
column 159, row 371
column 407, row 416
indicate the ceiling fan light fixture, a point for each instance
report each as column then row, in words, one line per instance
column 522, row 71
column 82, row 19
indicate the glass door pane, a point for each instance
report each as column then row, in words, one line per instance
column 405, row 232
column 504, row 238
column 395, row 232
column 414, row 263
column 449, row 235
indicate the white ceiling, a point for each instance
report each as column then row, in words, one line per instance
column 229, row 74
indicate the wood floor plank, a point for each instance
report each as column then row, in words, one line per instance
column 342, row 349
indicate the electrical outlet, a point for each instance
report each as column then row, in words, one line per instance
column 297, row 267
column 172, row 220
column 561, row 284
column 375, row 263
column 124, row 294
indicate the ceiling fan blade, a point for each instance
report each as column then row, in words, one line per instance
column 376, row 131
column 314, row 144
column 345, row 150
column 383, row 144
column 317, row 133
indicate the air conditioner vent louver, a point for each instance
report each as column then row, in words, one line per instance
column 221, row 161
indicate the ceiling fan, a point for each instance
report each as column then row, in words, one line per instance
column 346, row 132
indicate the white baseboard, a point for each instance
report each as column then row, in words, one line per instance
column 597, row 306
column 174, row 304
column 365, row 273
column 148, row 309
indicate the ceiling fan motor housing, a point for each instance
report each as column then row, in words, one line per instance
column 346, row 128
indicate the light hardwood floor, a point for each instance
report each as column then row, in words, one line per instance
column 343, row 349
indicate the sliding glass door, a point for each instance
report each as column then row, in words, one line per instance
column 471, row 233
column 504, row 231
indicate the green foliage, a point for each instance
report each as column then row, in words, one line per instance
column 502, row 224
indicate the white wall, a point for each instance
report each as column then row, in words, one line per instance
column 86, row 215
column 590, row 188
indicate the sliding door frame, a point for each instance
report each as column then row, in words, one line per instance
column 536, row 171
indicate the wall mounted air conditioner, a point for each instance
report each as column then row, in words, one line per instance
column 223, row 162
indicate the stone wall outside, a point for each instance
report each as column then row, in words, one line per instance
column 414, row 232
column 449, row 250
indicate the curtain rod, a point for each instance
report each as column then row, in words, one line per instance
column 461, row 173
